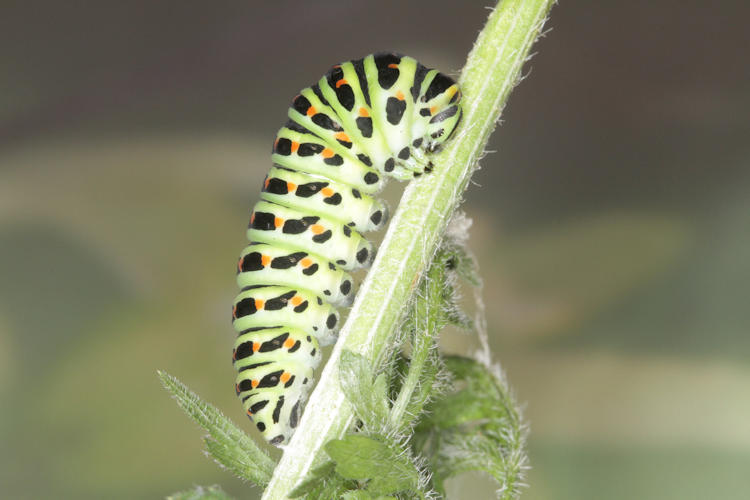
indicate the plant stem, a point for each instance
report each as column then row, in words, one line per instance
column 420, row 353
column 426, row 316
column 491, row 71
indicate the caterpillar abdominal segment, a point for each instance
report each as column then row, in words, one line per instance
column 363, row 121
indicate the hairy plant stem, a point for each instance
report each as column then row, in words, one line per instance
column 425, row 324
column 492, row 69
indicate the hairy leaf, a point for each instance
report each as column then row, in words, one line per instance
column 227, row 444
column 474, row 428
column 361, row 458
column 368, row 398
column 458, row 258
column 322, row 483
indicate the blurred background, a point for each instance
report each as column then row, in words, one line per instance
column 611, row 225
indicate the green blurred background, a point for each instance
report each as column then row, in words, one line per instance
column 611, row 227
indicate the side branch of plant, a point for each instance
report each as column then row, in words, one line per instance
column 491, row 71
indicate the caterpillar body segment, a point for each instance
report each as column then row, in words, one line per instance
column 263, row 263
column 326, row 198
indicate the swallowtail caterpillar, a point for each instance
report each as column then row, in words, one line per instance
column 362, row 122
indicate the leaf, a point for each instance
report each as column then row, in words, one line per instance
column 200, row 493
column 356, row 495
column 321, row 481
column 368, row 398
column 227, row 444
column 458, row 258
column 362, row 458
column 479, row 400
column 476, row 427
column 488, row 453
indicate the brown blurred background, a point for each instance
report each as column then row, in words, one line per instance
column 611, row 226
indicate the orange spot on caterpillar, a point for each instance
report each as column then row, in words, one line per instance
column 317, row 228
column 254, row 383
column 265, row 183
column 341, row 136
column 433, row 109
column 305, row 262
column 285, row 377
column 296, row 300
column 239, row 265
column 295, row 146
column 400, row 95
column 363, row 112
column 311, row 111
column 256, row 346
column 278, row 221
column 289, row 343
column 234, row 356
column 341, row 82
column 234, row 311
column 393, row 66
column 290, row 186
column 252, row 217
column 249, row 413
column 259, row 303
column 327, row 192
column 327, row 153
column 265, row 260
column 336, row 66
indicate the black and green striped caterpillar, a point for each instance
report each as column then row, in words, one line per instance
column 376, row 117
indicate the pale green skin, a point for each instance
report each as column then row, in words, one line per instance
column 345, row 221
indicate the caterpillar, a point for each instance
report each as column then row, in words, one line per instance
column 364, row 121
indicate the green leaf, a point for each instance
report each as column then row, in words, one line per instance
column 227, row 444
column 356, row 495
column 200, row 493
column 458, row 258
column 480, row 397
column 361, row 458
column 368, row 398
column 477, row 427
column 322, row 482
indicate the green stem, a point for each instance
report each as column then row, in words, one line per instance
column 491, row 71
column 425, row 323
column 419, row 356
